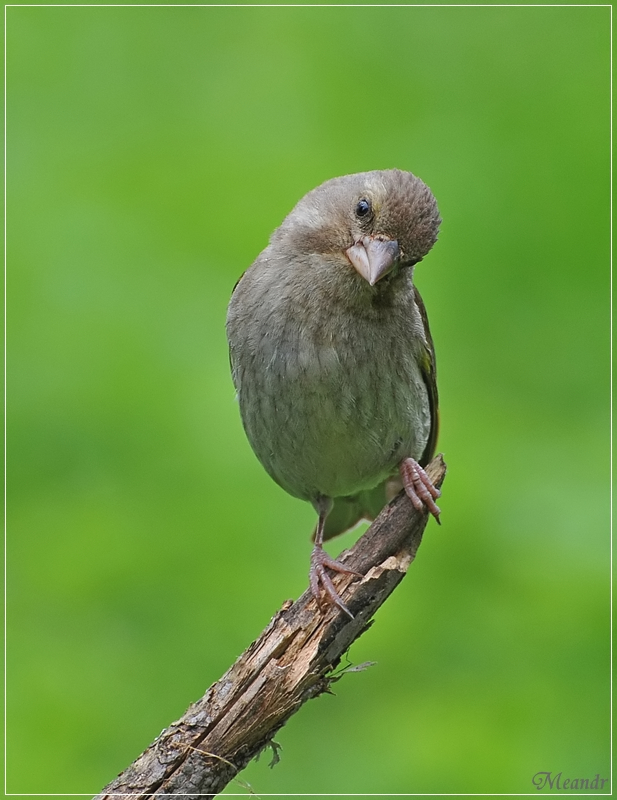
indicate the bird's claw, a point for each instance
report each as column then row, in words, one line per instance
column 419, row 487
column 319, row 577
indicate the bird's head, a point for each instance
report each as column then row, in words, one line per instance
column 375, row 221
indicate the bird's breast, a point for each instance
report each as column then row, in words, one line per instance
column 331, row 407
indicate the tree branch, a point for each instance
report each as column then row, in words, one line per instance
column 291, row 662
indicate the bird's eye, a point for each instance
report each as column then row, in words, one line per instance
column 363, row 208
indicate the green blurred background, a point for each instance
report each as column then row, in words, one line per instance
column 151, row 151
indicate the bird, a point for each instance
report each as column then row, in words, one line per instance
column 332, row 356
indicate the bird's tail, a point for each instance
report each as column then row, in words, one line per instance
column 347, row 512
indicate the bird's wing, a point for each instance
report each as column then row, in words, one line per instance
column 234, row 372
column 429, row 374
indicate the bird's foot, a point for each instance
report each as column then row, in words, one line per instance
column 418, row 487
column 318, row 576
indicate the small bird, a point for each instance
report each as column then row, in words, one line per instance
column 332, row 357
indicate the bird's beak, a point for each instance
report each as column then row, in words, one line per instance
column 373, row 258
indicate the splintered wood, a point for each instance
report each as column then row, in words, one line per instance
column 291, row 662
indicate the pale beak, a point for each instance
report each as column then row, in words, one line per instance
column 373, row 258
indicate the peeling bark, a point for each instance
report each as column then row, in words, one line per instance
column 291, row 662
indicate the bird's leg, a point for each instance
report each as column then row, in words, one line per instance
column 320, row 560
column 418, row 487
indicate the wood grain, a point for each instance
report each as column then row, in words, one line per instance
column 289, row 663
